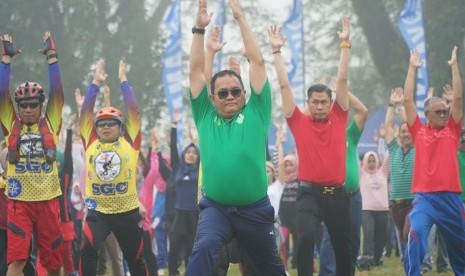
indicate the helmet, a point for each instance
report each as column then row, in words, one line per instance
column 29, row 90
column 109, row 112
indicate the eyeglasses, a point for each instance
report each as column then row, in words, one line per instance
column 31, row 105
column 223, row 94
column 441, row 112
column 109, row 123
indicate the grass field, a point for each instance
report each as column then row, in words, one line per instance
column 392, row 267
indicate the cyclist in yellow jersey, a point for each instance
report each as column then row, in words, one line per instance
column 112, row 150
column 32, row 177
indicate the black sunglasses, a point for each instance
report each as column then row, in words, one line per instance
column 31, row 105
column 109, row 123
column 441, row 112
column 223, row 94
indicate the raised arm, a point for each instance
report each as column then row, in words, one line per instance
column 257, row 72
column 55, row 97
column 214, row 45
column 361, row 111
column 7, row 114
column 86, row 120
column 106, row 95
column 342, row 93
column 409, row 103
column 173, row 141
column 132, row 124
column 197, row 54
column 456, row 103
column 279, row 149
column 396, row 99
column 277, row 41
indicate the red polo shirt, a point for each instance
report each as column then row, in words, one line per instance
column 321, row 146
column 436, row 165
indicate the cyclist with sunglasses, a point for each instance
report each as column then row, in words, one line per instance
column 436, row 182
column 33, row 186
column 112, row 151
column 232, row 136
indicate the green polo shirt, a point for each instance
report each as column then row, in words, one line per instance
column 352, row 163
column 461, row 158
column 234, row 152
column 400, row 172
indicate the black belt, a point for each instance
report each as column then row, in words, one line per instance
column 353, row 192
column 327, row 190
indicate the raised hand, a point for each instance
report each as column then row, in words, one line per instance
column 234, row 65
column 430, row 93
column 344, row 34
column 397, row 96
column 382, row 131
column 453, row 57
column 276, row 38
column 214, row 44
column 72, row 121
column 203, row 16
column 415, row 59
column 175, row 116
column 236, row 9
column 106, row 95
column 154, row 139
column 447, row 93
column 49, row 45
column 122, row 71
column 78, row 97
column 100, row 76
column 7, row 46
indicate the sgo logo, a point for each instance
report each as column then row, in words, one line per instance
column 14, row 187
column 109, row 188
column 33, row 167
column 90, row 204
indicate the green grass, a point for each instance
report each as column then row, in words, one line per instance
column 393, row 267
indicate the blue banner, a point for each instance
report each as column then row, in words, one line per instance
column 172, row 64
column 219, row 21
column 293, row 29
column 410, row 23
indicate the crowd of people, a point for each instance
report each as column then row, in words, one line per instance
column 92, row 196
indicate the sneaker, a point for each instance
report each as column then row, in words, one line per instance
column 161, row 272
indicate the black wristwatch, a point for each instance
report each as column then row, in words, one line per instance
column 196, row 30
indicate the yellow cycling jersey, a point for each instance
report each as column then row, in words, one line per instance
column 32, row 178
column 111, row 177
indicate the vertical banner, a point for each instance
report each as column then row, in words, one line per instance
column 293, row 29
column 219, row 21
column 410, row 23
column 172, row 64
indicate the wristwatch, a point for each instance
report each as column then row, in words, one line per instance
column 196, row 30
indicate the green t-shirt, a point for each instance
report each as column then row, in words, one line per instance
column 400, row 172
column 352, row 164
column 461, row 158
column 234, row 152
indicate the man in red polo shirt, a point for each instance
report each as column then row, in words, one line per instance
column 321, row 145
column 436, row 183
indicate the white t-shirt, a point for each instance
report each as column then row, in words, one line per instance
column 275, row 192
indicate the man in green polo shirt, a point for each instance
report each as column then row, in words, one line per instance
column 401, row 156
column 232, row 136
column 461, row 155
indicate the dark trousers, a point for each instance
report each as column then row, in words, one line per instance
column 3, row 246
column 148, row 254
column 314, row 205
column 375, row 228
column 252, row 225
column 182, row 236
column 399, row 210
column 126, row 227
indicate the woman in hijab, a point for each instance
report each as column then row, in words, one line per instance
column 375, row 205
